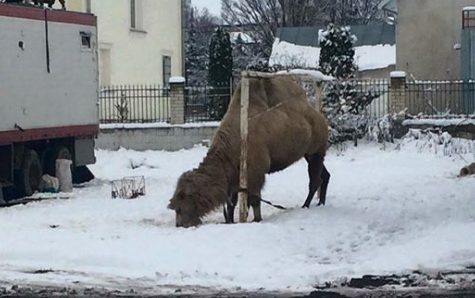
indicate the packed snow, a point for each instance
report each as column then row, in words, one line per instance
column 366, row 57
column 389, row 211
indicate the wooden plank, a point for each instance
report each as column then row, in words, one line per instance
column 244, row 149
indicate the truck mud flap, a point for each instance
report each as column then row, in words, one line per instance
column 82, row 175
column 2, row 200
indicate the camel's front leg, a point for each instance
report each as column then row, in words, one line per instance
column 229, row 208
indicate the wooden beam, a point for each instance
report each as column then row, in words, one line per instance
column 266, row 75
column 243, row 194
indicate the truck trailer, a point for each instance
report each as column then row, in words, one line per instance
column 48, row 95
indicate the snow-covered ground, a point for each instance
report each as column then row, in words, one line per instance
column 389, row 211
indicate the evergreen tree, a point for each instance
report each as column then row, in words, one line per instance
column 220, row 67
column 343, row 104
column 337, row 52
column 220, row 71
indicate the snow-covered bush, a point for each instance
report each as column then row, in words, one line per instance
column 381, row 130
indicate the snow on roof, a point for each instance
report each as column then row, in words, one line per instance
column 366, row 57
column 468, row 8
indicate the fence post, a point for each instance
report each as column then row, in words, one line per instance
column 177, row 100
column 397, row 96
column 318, row 87
column 243, row 194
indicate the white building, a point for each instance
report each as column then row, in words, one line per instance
column 140, row 41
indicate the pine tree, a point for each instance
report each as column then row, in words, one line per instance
column 220, row 71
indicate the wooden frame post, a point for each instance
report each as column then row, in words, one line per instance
column 243, row 194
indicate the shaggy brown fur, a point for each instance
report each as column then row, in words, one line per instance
column 468, row 170
column 283, row 128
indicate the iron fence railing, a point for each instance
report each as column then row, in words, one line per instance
column 440, row 97
column 207, row 103
column 134, row 104
column 151, row 103
column 375, row 92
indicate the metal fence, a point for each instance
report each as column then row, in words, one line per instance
column 375, row 91
column 440, row 97
column 207, row 103
column 151, row 103
column 134, row 104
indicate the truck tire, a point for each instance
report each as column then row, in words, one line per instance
column 29, row 176
column 50, row 157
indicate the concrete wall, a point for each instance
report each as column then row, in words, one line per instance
column 134, row 56
column 426, row 33
column 380, row 73
column 171, row 138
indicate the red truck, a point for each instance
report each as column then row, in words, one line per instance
column 48, row 95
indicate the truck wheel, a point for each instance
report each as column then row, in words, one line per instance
column 50, row 157
column 29, row 176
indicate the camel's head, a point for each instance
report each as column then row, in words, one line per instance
column 185, row 201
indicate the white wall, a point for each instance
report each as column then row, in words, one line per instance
column 136, row 55
column 29, row 95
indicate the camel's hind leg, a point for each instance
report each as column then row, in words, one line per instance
column 315, row 168
column 255, row 202
column 323, row 189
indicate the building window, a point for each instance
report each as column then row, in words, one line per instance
column 167, row 69
column 136, row 14
column 85, row 40
column 468, row 18
column 88, row 6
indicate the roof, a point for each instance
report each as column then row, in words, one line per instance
column 368, row 35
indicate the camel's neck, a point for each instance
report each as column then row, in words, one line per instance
column 215, row 168
column 220, row 163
